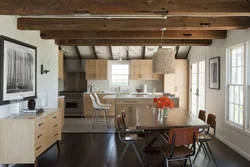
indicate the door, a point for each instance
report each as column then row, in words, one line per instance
column 102, row 69
column 136, row 70
column 197, row 85
column 90, row 70
column 146, row 69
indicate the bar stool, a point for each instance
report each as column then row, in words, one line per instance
column 96, row 109
column 103, row 105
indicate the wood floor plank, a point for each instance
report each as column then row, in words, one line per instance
column 103, row 150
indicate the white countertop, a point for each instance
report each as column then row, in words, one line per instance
column 59, row 97
column 134, row 97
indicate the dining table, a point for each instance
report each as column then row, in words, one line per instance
column 150, row 120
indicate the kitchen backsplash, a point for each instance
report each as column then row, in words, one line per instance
column 103, row 85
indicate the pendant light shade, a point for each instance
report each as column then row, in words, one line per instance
column 164, row 61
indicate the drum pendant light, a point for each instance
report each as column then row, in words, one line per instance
column 164, row 60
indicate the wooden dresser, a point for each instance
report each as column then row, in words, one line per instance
column 25, row 137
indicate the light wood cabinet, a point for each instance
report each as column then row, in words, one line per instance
column 62, row 107
column 25, row 137
column 178, row 83
column 88, row 107
column 96, row 69
column 142, row 70
column 60, row 65
column 128, row 112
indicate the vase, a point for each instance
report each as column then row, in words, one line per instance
column 164, row 112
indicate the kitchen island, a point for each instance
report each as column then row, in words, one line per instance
column 129, row 103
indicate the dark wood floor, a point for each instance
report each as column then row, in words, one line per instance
column 103, row 150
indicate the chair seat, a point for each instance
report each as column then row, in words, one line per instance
column 179, row 151
column 105, row 105
column 101, row 108
column 132, row 137
column 202, row 136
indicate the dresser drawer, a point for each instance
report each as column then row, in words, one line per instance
column 41, row 134
column 40, row 124
column 40, row 147
column 47, row 142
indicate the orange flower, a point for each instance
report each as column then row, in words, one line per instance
column 156, row 100
column 172, row 105
column 163, row 102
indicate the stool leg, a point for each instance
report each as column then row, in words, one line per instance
column 97, row 116
column 93, row 120
column 105, row 119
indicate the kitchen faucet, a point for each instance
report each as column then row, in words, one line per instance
column 119, row 89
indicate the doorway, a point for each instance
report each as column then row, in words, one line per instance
column 197, row 100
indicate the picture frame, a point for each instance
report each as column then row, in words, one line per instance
column 18, row 70
column 214, row 73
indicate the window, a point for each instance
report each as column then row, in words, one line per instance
column 236, row 84
column 119, row 74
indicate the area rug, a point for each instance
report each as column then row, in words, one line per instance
column 82, row 125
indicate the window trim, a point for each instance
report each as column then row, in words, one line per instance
column 241, row 128
column 110, row 63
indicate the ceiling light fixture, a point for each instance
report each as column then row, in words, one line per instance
column 164, row 59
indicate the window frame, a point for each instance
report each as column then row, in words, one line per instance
column 245, row 122
column 117, row 62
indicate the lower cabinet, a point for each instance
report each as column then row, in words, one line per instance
column 26, row 137
column 128, row 112
column 62, row 107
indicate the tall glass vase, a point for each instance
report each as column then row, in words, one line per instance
column 164, row 112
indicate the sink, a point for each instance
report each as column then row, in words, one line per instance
column 123, row 94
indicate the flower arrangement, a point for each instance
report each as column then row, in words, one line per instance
column 164, row 102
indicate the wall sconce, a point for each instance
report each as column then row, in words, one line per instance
column 45, row 67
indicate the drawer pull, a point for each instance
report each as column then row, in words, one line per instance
column 56, row 134
column 54, row 117
column 55, row 126
column 39, row 136
column 38, row 147
column 40, row 124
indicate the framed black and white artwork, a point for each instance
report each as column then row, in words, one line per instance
column 214, row 73
column 18, row 64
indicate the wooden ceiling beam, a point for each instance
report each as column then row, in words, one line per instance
column 132, row 42
column 95, row 54
column 111, row 53
column 78, row 52
column 171, row 23
column 142, row 7
column 171, row 34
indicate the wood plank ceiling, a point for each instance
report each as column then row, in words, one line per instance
column 110, row 22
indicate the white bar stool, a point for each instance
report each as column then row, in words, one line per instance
column 96, row 109
column 103, row 105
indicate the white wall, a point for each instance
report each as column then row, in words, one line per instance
column 215, row 99
column 45, row 48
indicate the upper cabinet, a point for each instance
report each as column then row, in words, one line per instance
column 142, row 70
column 96, row 69
column 60, row 65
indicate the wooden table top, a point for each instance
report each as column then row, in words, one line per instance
column 149, row 119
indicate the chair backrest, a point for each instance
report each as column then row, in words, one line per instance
column 97, row 99
column 211, row 120
column 183, row 136
column 202, row 115
column 123, row 113
column 120, row 125
column 95, row 105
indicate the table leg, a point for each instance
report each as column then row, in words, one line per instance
column 158, row 136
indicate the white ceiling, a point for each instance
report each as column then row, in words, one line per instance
column 103, row 52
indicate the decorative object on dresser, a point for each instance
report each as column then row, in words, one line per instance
column 24, row 138
column 31, row 104
column 18, row 75
column 214, row 73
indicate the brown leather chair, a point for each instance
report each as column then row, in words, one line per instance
column 129, row 138
column 202, row 115
column 178, row 139
column 205, row 137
